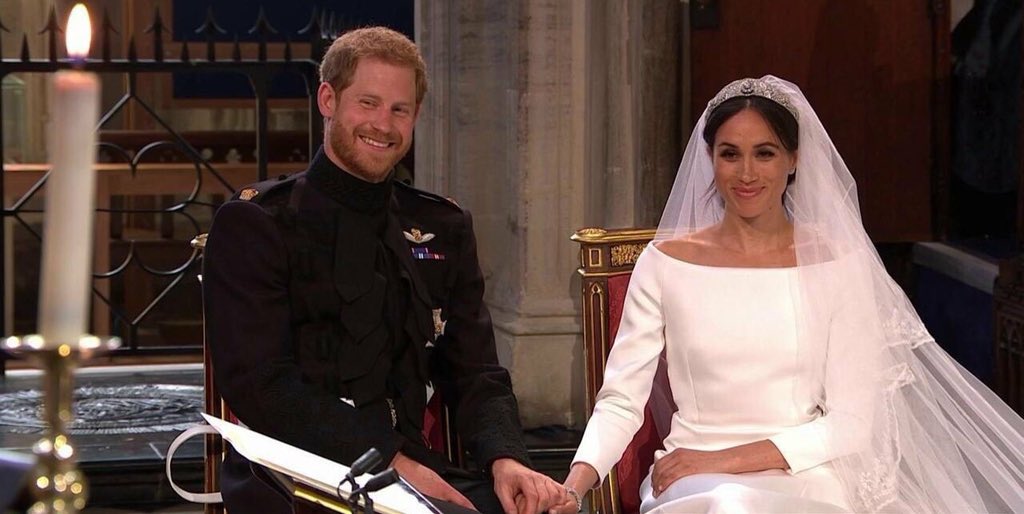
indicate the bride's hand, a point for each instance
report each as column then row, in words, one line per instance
column 683, row 462
column 756, row 456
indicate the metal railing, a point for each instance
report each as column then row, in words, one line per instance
column 321, row 29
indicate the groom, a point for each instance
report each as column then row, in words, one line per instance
column 339, row 301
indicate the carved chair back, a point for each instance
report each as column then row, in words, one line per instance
column 606, row 262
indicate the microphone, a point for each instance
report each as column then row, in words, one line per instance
column 367, row 461
column 364, row 463
column 375, row 483
column 379, row 481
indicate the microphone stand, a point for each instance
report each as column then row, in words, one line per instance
column 364, row 463
column 375, row 483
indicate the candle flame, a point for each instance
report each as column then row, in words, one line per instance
column 79, row 32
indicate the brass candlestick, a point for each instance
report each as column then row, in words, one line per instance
column 58, row 486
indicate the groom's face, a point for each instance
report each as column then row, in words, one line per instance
column 370, row 122
column 751, row 166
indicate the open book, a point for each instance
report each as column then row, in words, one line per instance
column 315, row 471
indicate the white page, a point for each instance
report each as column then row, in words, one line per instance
column 308, row 468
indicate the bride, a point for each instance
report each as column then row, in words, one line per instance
column 801, row 377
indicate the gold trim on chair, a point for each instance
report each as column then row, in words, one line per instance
column 610, row 250
column 594, row 329
column 603, row 274
column 594, row 235
column 604, row 253
column 626, row 254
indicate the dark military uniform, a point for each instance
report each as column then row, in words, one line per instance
column 331, row 304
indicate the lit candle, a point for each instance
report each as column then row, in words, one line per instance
column 70, row 194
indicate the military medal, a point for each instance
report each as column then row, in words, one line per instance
column 248, row 194
column 438, row 323
column 422, row 253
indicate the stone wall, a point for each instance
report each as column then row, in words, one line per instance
column 545, row 116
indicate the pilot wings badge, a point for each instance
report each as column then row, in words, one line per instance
column 414, row 235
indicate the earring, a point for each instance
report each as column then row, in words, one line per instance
column 792, row 171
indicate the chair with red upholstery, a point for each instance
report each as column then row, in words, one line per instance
column 606, row 262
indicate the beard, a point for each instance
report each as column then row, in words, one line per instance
column 369, row 165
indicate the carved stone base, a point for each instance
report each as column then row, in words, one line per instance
column 542, row 353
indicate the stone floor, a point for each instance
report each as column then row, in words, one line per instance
column 125, row 418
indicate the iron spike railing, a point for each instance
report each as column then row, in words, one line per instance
column 210, row 29
column 318, row 32
column 51, row 29
column 105, row 29
column 157, row 29
column 264, row 29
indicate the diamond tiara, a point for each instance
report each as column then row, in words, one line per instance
column 753, row 87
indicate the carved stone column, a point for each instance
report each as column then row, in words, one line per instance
column 536, row 122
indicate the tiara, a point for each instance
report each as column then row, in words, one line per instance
column 753, row 87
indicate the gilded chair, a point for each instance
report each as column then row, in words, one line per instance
column 606, row 262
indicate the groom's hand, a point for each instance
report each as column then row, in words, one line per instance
column 427, row 482
column 522, row 490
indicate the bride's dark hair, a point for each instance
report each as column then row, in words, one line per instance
column 783, row 124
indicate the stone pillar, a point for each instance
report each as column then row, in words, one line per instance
column 534, row 122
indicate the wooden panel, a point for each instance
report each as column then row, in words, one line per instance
column 867, row 68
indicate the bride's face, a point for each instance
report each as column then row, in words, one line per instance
column 751, row 166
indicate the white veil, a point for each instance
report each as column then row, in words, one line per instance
column 916, row 432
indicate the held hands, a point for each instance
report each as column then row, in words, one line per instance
column 427, row 482
column 567, row 507
column 524, row 491
column 582, row 477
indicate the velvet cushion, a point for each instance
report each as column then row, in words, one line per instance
column 639, row 455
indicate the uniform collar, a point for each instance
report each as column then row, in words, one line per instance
column 347, row 189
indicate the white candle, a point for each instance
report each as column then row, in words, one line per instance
column 70, row 195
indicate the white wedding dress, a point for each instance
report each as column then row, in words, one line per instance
column 730, row 339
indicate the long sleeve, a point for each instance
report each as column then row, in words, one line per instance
column 629, row 372
column 850, row 379
column 487, row 414
column 245, row 282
